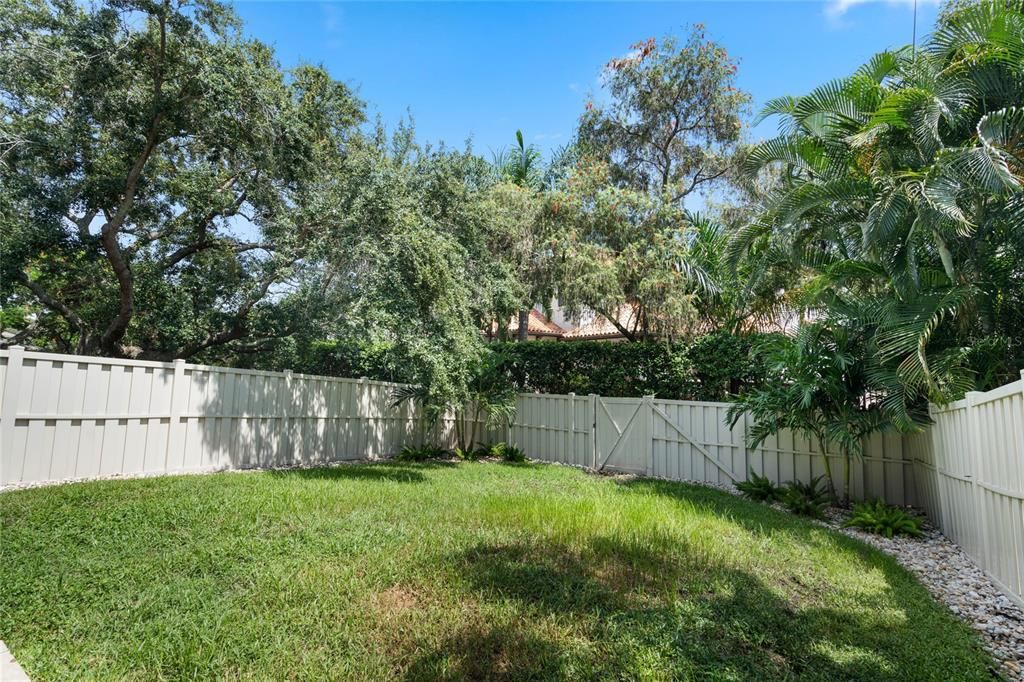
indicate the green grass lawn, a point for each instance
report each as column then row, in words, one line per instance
column 451, row 571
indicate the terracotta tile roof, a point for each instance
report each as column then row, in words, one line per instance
column 537, row 325
column 602, row 327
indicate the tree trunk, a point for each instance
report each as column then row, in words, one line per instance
column 828, row 465
column 524, row 325
column 846, row 478
column 472, row 427
column 458, row 429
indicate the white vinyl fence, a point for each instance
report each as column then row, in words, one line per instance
column 969, row 468
column 692, row 441
column 66, row 417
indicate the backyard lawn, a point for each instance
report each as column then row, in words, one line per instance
column 451, row 571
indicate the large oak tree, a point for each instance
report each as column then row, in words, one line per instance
column 162, row 177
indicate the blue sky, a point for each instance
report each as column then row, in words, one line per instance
column 484, row 70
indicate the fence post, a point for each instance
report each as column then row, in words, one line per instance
column 977, row 492
column 746, row 449
column 570, row 451
column 649, row 428
column 175, row 429
column 8, row 414
column 363, row 441
column 286, row 421
column 512, row 422
column 1021, row 441
column 593, row 429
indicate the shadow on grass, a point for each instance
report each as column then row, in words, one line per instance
column 669, row 611
column 403, row 472
column 486, row 652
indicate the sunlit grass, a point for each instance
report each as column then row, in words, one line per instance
column 444, row 571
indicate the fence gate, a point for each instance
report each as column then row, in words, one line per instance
column 623, row 434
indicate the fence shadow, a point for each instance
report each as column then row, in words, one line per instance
column 243, row 420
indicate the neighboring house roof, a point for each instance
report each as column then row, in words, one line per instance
column 538, row 325
column 602, row 328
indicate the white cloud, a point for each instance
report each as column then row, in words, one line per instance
column 835, row 9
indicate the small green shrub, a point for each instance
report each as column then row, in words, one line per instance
column 806, row 499
column 510, row 453
column 759, row 489
column 879, row 518
column 473, row 455
column 420, row 453
column 503, row 451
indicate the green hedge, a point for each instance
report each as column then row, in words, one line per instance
column 710, row 368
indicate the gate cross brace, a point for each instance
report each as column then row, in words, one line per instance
column 707, row 455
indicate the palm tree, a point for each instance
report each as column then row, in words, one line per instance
column 521, row 166
column 902, row 186
column 739, row 297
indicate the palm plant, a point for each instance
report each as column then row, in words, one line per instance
column 751, row 297
column 522, row 165
column 820, row 387
column 902, row 184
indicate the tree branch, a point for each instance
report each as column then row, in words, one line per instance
column 61, row 309
column 83, row 223
column 239, row 328
column 614, row 319
column 108, row 234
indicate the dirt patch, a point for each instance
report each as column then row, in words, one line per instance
column 395, row 599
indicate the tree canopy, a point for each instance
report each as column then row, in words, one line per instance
column 162, row 176
column 673, row 119
column 902, row 202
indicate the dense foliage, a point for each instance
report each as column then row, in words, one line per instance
column 902, row 201
column 167, row 189
column 669, row 129
column 806, row 499
column 882, row 519
column 759, row 488
column 162, row 178
column 673, row 119
column 817, row 384
column 711, row 367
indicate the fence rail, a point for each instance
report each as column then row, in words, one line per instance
column 65, row 417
